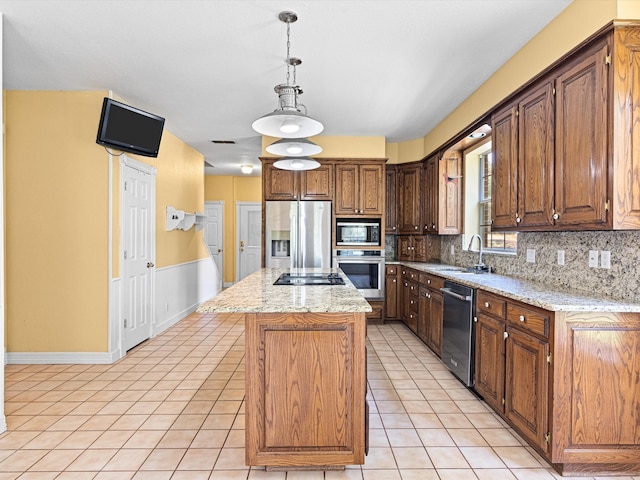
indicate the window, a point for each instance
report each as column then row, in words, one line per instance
column 493, row 241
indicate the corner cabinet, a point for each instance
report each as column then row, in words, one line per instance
column 566, row 148
column 359, row 188
column 409, row 198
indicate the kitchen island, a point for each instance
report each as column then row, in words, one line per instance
column 305, row 364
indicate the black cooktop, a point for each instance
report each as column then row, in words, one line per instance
column 309, row 279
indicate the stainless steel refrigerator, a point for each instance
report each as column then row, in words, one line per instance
column 297, row 234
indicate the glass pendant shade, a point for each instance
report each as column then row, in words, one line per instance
column 294, row 147
column 287, row 124
column 298, row 163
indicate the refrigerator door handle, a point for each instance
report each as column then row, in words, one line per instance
column 295, row 246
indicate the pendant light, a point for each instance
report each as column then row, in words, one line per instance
column 289, row 120
column 296, row 163
column 294, row 147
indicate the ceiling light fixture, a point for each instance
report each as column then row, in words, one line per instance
column 246, row 169
column 290, row 119
column 298, row 163
column 294, row 147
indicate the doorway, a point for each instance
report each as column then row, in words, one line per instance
column 249, row 238
column 214, row 237
column 137, row 251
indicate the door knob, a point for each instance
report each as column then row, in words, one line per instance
column 219, row 250
column 150, row 265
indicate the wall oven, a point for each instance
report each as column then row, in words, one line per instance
column 364, row 268
column 358, row 232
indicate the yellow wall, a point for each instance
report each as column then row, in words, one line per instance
column 341, row 147
column 57, row 233
column 56, row 223
column 231, row 190
column 577, row 22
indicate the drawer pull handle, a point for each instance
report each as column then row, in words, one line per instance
column 429, row 282
column 487, row 305
column 521, row 318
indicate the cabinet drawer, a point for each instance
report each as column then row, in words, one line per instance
column 410, row 274
column 391, row 270
column 534, row 320
column 431, row 281
column 491, row 304
column 413, row 302
column 412, row 288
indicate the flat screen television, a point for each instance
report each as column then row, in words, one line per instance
column 129, row 129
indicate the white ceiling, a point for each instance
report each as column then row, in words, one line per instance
column 392, row 68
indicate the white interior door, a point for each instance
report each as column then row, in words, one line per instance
column 249, row 221
column 214, row 238
column 138, row 251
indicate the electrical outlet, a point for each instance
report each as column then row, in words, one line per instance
column 593, row 258
column 531, row 255
column 453, row 250
column 560, row 257
column 605, row 259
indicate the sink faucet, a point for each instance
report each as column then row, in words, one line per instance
column 475, row 235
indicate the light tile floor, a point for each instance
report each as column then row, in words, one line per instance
column 173, row 409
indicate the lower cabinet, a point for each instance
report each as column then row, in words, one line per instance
column 377, row 313
column 430, row 305
column 512, row 364
column 391, row 292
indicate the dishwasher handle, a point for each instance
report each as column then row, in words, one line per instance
column 464, row 298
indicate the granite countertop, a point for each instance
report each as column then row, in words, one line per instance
column 555, row 299
column 257, row 294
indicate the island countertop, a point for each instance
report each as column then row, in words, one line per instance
column 257, row 294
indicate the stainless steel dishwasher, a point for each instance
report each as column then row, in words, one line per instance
column 458, row 331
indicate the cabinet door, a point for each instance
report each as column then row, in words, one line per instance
column 391, row 296
column 535, row 157
column 527, row 385
column 489, row 367
column 581, row 142
column 409, row 198
column 449, row 193
column 404, row 248
column 391, row 202
column 347, row 190
column 371, row 201
column 278, row 184
column 504, row 141
column 434, row 326
column 419, row 248
column 424, row 312
column 317, row 184
column 430, row 195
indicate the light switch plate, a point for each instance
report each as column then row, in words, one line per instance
column 531, row 255
column 560, row 257
column 593, row 258
column 605, row 259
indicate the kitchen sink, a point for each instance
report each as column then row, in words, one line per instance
column 309, row 279
column 475, row 269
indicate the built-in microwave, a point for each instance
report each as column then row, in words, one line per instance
column 358, row 232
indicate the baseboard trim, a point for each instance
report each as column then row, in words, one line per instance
column 171, row 321
column 57, row 358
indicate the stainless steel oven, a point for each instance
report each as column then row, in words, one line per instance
column 358, row 232
column 364, row 268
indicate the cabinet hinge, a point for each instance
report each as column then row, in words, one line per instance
column 517, row 113
column 606, row 206
column 553, row 91
column 547, row 437
column 503, row 402
column 607, row 60
column 505, row 335
column 549, row 359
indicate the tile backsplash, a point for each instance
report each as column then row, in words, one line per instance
column 621, row 280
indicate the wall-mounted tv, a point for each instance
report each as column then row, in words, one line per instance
column 129, row 129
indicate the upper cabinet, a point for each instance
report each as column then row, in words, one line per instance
column 359, row 188
column 566, row 148
column 409, row 198
column 442, row 193
column 390, row 207
column 278, row 184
